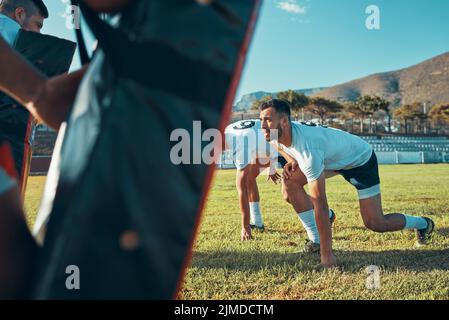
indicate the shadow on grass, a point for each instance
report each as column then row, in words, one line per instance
column 349, row 261
column 443, row 231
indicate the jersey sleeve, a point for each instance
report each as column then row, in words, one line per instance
column 311, row 163
column 9, row 30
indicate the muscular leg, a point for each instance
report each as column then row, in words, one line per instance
column 253, row 190
column 374, row 218
column 294, row 193
column 253, row 194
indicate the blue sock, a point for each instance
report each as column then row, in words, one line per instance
column 414, row 222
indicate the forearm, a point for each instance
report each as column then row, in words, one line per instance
column 55, row 101
column 18, row 78
column 244, row 207
column 48, row 100
column 286, row 156
column 282, row 152
column 324, row 227
column 319, row 199
column 241, row 182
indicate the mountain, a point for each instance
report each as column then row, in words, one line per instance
column 247, row 100
column 427, row 81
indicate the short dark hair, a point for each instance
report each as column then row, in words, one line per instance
column 30, row 6
column 281, row 106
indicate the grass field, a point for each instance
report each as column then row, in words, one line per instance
column 269, row 267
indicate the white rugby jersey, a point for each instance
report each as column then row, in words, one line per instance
column 247, row 143
column 318, row 148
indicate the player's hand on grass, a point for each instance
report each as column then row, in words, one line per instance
column 246, row 233
column 274, row 177
column 328, row 260
column 289, row 169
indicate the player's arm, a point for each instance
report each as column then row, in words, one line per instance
column 17, row 77
column 282, row 152
column 48, row 100
column 18, row 250
column 242, row 178
column 317, row 191
column 291, row 165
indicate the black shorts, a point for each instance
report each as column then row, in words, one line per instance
column 365, row 177
column 282, row 161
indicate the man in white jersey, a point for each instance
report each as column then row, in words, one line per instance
column 320, row 152
column 252, row 154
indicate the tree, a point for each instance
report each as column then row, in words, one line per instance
column 440, row 113
column 350, row 112
column 410, row 112
column 367, row 105
column 421, row 116
column 298, row 101
column 323, row 107
column 384, row 105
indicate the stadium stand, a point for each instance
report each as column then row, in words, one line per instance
column 390, row 149
column 44, row 142
column 394, row 150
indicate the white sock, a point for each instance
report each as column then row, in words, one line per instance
column 255, row 214
column 414, row 222
column 307, row 219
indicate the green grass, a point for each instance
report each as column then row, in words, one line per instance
column 35, row 188
column 268, row 267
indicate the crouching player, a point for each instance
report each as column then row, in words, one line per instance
column 319, row 153
column 252, row 154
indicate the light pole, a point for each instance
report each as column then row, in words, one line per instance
column 425, row 116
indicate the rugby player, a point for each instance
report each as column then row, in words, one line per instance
column 319, row 153
column 252, row 154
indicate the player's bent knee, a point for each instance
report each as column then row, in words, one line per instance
column 285, row 196
column 376, row 225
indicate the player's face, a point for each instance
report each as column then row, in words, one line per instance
column 271, row 124
column 33, row 23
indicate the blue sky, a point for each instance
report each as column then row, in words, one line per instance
column 56, row 25
column 314, row 43
column 304, row 44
